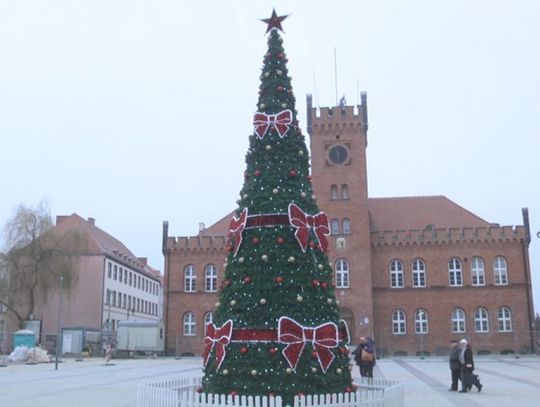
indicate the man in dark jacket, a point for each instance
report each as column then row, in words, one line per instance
column 455, row 367
column 364, row 356
column 468, row 378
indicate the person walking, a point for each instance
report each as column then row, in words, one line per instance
column 455, row 367
column 364, row 356
column 468, row 378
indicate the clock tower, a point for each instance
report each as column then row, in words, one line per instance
column 338, row 141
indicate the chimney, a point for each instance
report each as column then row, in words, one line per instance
column 60, row 219
column 202, row 226
column 92, row 221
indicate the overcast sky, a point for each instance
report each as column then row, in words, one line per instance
column 135, row 112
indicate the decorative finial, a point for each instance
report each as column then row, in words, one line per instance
column 274, row 21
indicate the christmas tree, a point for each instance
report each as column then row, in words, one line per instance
column 277, row 328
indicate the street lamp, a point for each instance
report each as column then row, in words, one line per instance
column 59, row 332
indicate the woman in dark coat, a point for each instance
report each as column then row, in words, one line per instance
column 468, row 378
column 364, row 356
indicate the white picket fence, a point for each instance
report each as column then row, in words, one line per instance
column 182, row 393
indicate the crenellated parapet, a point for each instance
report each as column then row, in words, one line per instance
column 448, row 235
column 194, row 244
column 338, row 119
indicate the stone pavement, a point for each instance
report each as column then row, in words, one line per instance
column 507, row 381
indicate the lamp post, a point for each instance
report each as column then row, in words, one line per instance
column 59, row 332
column 421, row 322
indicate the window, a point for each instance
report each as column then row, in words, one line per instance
column 454, row 272
column 346, row 226
column 333, row 193
column 421, row 321
column 396, row 273
column 189, row 324
column 129, row 302
column 108, row 298
column 208, row 318
column 458, row 320
column 504, row 318
column 500, row 271
column 419, row 273
column 334, row 227
column 115, row 273
column 345, row 191
column 124, row 302
column 477, row 271
column 342, row 273
column 130, row 278
column 210, row 278
column 481, row 322
column 190, row 279
column 121, row 274
column 399, row 322
column 109, row 270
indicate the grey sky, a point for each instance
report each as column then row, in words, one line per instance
column 135, row 112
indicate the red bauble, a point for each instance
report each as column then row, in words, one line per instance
column 348, row 389
column 309, row 178
column 199, row 389
column 257, row 173
column 324, row 285
column 311, row 244
column 344, row 350
column 243, row 350
column 314, row 355
column 315, row 283
column 255, row 240
column 280, row 88
column 273, row 351
column 271, row 395
column 247, row 280
column 233, row 393
column 280, row 240
column 292, row 173
column 278, row 279
column 227, row 283
column 300, row 394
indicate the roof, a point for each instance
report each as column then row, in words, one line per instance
column 417, row 212
column 220, row 228
column 100, row 242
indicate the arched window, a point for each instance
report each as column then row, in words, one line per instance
column 481, row 321
column 418, row 273
column 458, row 320
column 210, row 276
column 477, row 271
column 346, row 226
column 344, row 191
column 342, row 273
column 504, row 319
column 421, row 321
column 500, row 272
column 189, row 324
column 190, row 279
column 208, row 317
column 454, row 272
column 399, row 322
column 333, row 193
column 396, row 273
column 334, row 227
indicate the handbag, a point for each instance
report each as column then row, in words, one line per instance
column 367, row 357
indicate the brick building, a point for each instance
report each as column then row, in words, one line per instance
column 412, row 272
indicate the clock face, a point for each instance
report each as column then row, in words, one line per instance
column 338, row 154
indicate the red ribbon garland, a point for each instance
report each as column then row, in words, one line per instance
column 295, row 336
column 236, row 227
column 281, row 121
column 218, row 338
column 303, row 223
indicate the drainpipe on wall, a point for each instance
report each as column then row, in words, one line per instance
column 525, row 253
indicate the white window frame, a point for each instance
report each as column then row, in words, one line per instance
column 419, row 273
column 189, row 324
column 341, row 269
column 500, row 271
column 399, row 322
column 455, row 272
column 481, row 320
column 334, row 193
column 396, row 274
column 208, row 317
column 478, row 275
column 504, row 319
column 334, row 227
column 458, row 320
column 346, row 226
column 421, row 322
column 190, row 279
column 210, row 278
column 345, row 192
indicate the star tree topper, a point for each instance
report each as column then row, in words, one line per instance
column 274, row 21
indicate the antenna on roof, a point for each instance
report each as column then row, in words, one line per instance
column 335, row 74
column 315, row 91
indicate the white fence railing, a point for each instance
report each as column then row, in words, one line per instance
column 182, row 393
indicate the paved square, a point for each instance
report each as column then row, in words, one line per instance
column 507, row 381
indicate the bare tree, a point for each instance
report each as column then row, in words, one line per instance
column 33, row 259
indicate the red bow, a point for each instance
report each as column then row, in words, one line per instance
column 303, row 222
column 236, row 227
column 263, row 121
column 295, row 336
column 218, row 337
